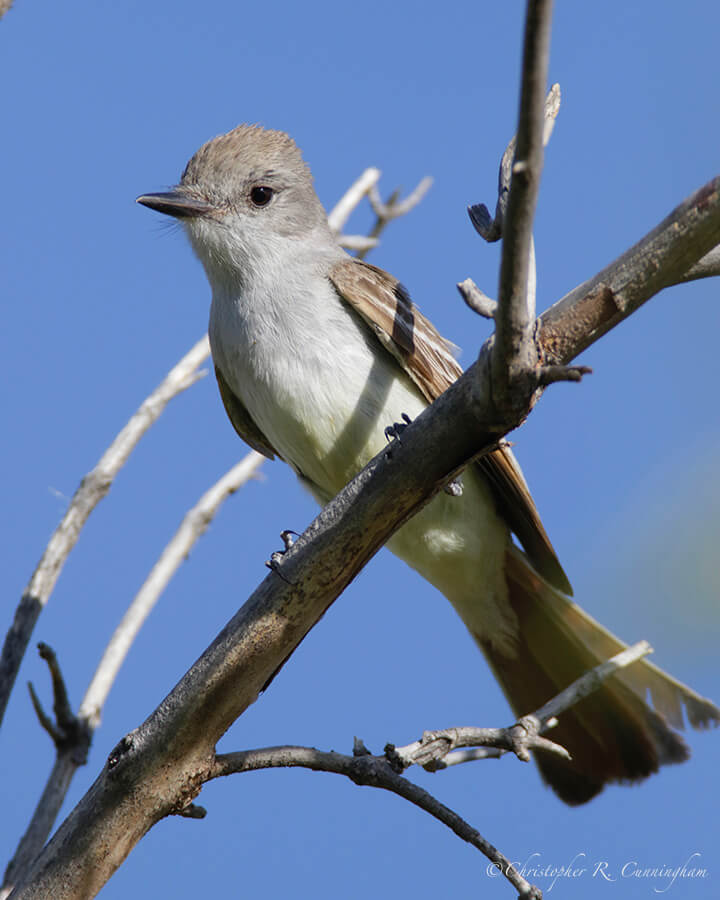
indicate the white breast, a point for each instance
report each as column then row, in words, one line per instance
column 310, row 374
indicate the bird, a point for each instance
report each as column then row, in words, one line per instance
column 316, row 353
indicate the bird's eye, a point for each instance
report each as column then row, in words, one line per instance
column 261, row 195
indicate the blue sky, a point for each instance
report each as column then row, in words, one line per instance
column 104, row 101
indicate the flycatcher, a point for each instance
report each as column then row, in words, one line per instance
column 315, row 354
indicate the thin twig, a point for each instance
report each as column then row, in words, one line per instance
column 432, row 750
column 477, row 300
column 193, row 525
column 588, row 683
column 91, row 491
column 372, row 771
column 489, row 228
column 358, row 243
column 366, row 185
column 61, row 701
column 393, row 208
column 351, row 199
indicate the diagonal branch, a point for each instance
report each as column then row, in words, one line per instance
column 661, row 259
column 351, row 199
column 91, row 491
column 193, row 526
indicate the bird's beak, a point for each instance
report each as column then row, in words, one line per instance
column 176, row 203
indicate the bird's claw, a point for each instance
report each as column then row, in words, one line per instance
column 276, row 556
column 393, row 432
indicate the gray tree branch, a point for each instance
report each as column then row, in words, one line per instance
column 373, row 771
column 513, row 354
column 431, row 752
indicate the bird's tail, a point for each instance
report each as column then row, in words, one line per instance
column 613, row 735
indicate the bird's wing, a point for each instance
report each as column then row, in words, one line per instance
column 385, row 305
column 242, row 420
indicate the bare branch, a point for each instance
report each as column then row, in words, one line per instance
column 552, row 374
column 432, row 750
column 661, row 259
column 351, row 199
column 396, row 208
column 366, row 185
column 46, row 723
column 193, row 811
column 61, row 705
column 386, row 212
column 478, row 301
column 43, row 819
column 513, row 351
column 489, row 228
column 193, row 525
column 552, row 108
column 91, row 491
column 358, row 243
column 373, row 771
column 588, row 683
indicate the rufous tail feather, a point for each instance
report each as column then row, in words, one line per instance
column 613, row 735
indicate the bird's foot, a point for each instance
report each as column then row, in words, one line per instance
column 393, row 432
column 277, row 556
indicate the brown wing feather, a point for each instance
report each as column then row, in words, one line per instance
column 401, row 328
column 428, row 359
column 518, row 508
column 242, row 421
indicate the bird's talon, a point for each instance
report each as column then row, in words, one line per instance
column 287, row 538
column 393, row 432
column 277, row 556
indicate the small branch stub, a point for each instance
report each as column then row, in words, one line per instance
column 477, row 300
column 552, row 374
column 69, row 733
